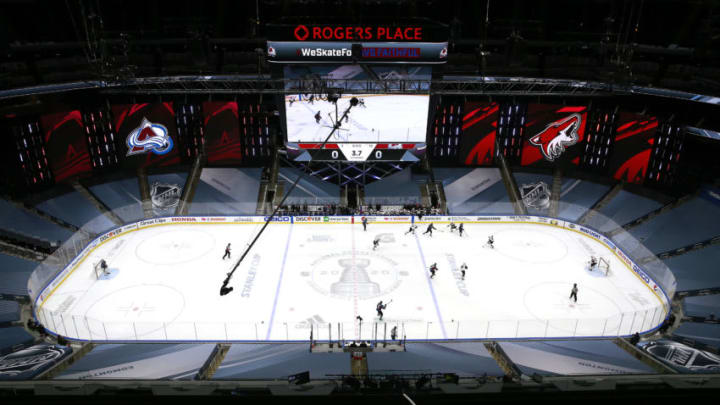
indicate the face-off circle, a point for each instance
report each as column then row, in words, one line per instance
column 344, row 275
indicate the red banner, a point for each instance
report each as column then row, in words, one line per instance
column 66, row 144
column 479, row 128
column 222, row 137
column 633, row 145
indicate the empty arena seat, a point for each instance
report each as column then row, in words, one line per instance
column 226, row 191
column 122, row 197
column 258, row 361
column 397, row 189
column 309, row 190
column 139, row 361
column 14, row 273
column 467, row 359
column 577, row 196
column 625, row 207
column 72, row 207
column 14, row 218
column 573, row 357
column 9, row 311
column 694, row 221
column 14, row 336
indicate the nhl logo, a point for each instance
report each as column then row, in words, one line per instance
column 536, row 195
column 164, row 197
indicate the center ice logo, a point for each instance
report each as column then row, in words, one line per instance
column 363, row 275
column 149, row 137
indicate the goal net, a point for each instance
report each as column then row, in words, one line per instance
column 99, row 272
column 603, row 266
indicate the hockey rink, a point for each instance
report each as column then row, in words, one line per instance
column 164, row 280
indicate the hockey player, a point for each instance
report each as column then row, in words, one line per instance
column 291, row 101
column 463, row 268
column 103, row 266
column 317, row 117
column 573, row 292
column 412, row 229
column 376, row 243
column 393, row 333
column 429, row 229
column 364, row 222
column 361, row 103
column 227, row 252
column 452, row 226
column 593, row 262
column 461, row 229
column 379, row 308
column 433, row 269
column 491, row 242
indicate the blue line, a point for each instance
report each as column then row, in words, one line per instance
column 277, row 290
column 432, row 290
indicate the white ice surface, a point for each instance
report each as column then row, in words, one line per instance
column 376, row 122
column 165, row 281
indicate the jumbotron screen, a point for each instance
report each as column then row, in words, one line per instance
column 378, row 118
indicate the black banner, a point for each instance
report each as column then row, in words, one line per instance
column 367, row 52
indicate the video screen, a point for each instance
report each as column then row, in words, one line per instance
column 377, row 118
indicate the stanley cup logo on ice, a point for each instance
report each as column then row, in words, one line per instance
column 355, row 280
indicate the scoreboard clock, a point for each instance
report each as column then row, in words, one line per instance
column 356, row 152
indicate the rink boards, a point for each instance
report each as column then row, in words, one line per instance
column 80, row 326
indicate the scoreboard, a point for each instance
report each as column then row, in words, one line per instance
column 356, row 152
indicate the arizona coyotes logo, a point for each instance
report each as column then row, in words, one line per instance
column 556, row 136
column 149, row 137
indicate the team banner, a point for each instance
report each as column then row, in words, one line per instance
column 553, row 133
column 222, row 136
column 147, row 134
column 479, row 128
column 634, row 139
column 66, row 146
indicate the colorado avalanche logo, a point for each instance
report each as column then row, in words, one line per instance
column 149, row 137
column 556, row 136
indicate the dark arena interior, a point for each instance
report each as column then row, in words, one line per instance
column 349, row 201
